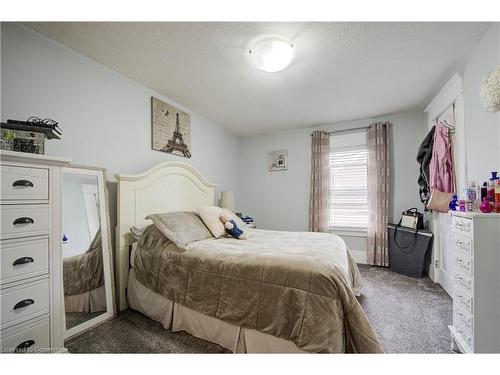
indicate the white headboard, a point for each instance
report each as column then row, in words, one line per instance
column 168, row 186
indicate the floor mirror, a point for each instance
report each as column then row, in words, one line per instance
column 86, row 250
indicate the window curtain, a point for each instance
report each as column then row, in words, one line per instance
column 377, row 139
column 319, row 220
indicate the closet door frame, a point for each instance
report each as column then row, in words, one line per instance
column 450, row 95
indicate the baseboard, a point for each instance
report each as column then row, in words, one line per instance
column 359, row 256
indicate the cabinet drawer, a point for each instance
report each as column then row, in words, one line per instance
column 24, row 220
column 29, row 340
column 463, row 282
column 21, row 259
column 24, row 301
column 463, row 301
column 462, row 225
column 465, row 335
column 463, row 319
column 462, row 244
column 22, row 183
column 463, row 264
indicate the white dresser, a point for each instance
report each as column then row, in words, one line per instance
column 476, row 277
column 30, row 249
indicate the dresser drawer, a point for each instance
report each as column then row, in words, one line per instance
column 22, row 183
column 30, row 340
column 463, row 264
column 462, row 225
column 24, row 258
column 462, row 244
column 463, row 301
column 463, row 282
column 24, row 301
column 463, row 319
column 465, row 335
column 24, row 220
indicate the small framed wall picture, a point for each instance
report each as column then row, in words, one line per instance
column 278, row 160
column 170, row 129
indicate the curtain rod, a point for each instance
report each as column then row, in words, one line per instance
column 346, row 130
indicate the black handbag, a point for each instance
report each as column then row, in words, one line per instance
column 412, row 219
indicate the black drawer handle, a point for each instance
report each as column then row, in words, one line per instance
column 23, row 220
column 24, row 303
column 24, row 345
column 23, row 260
column 23, row 183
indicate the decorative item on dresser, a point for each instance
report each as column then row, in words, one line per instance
column 476, row 256
column 28, row 136
column 30, row 250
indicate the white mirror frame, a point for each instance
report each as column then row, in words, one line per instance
column 107, row 253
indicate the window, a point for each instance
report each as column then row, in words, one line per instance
column 349, row 182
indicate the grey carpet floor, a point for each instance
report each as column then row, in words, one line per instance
column 408, row 315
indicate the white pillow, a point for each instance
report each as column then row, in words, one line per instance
column 211, row 217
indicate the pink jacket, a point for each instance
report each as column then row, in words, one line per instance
column 442, row 168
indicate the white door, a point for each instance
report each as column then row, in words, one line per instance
column 446, row 260
column 445, row 264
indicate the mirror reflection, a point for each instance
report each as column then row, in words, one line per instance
column 82, row 250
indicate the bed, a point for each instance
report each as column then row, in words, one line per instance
column 276, row 292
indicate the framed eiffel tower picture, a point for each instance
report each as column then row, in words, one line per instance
column 170, row 129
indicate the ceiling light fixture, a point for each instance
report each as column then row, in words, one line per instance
column 272, row 55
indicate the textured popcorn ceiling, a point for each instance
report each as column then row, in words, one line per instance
column 341, row 71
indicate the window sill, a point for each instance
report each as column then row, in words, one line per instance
column 349, row 232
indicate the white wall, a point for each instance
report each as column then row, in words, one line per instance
column 280, row 200
column 105, row 116
column 482, row 128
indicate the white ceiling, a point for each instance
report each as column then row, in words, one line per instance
column 341, row 71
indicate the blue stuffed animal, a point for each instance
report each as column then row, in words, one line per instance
column 232, row 228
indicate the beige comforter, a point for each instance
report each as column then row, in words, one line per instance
column 298, row 286
column 85, row 272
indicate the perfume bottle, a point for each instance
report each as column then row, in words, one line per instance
column 468, row 204
column 486, row 206
column 472, row 196
column 484, row 191
column 454, row 203
column 491, row 187
column 461, row 204
column 497, row 196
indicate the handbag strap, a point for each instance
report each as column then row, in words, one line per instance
column 411, row 244
column 411, row 212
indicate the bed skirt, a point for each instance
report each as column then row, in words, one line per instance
column 179, row 318
column 92, row 301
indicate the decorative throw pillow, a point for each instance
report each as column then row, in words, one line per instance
column 211, row 217
column 181, row 228
column 240, row 223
